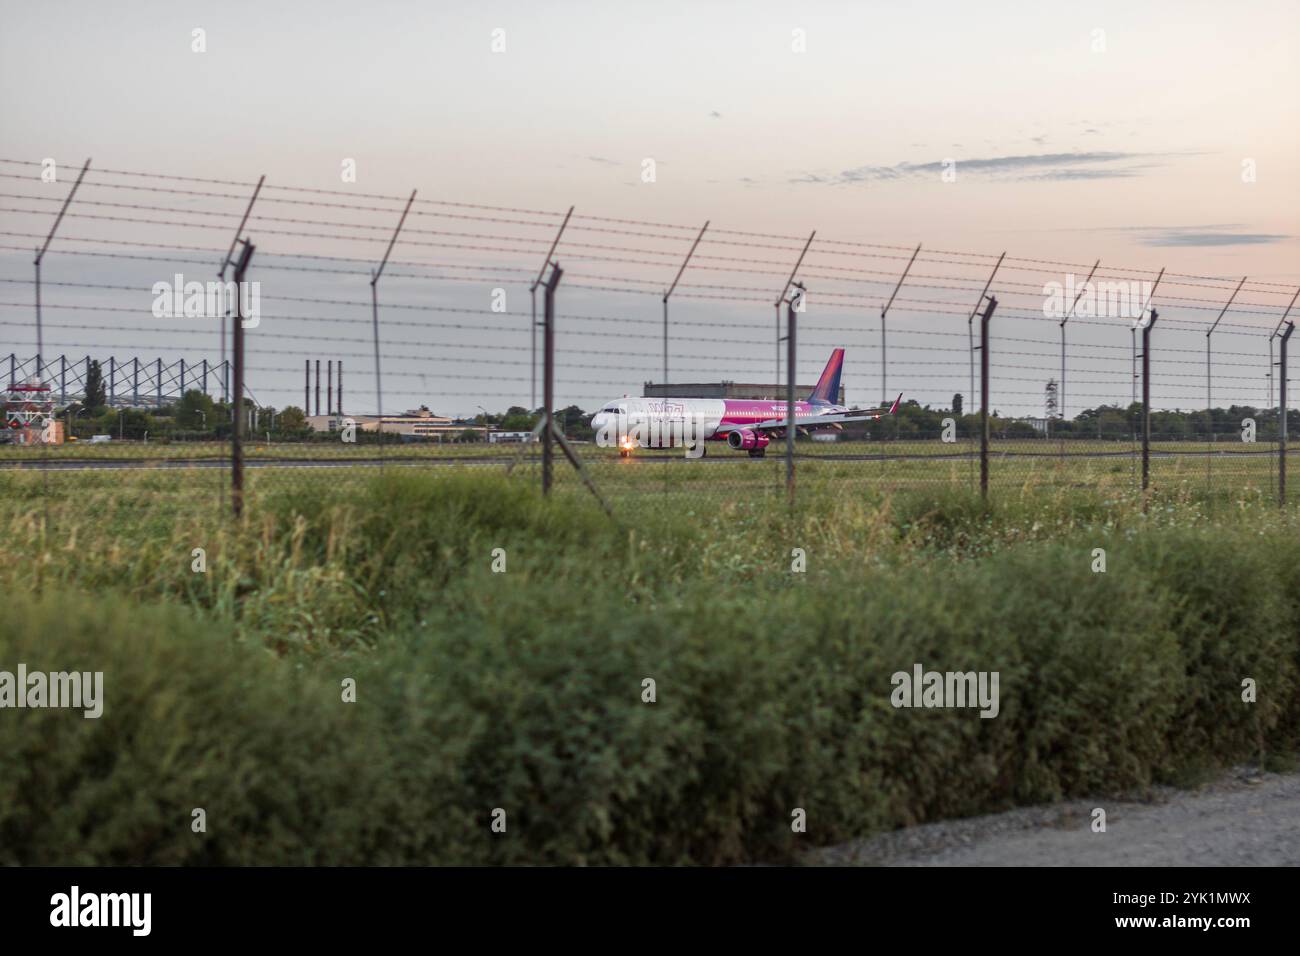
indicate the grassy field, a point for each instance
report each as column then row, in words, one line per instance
column 664, row 479
column 928, row 447
column 521, row 687
column 652, row 481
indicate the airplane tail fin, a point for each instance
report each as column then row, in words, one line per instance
column 827, row 391
column 893, row 409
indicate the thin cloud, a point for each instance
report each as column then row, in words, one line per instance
column 1198, row 227
column 1180, row 237
column 1100, row 165
column 1067, row 175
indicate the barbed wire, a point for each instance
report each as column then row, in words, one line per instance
column 1010, row 261
column 633, row 259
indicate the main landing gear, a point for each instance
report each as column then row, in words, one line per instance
column 758, row 453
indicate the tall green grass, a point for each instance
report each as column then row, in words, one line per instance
column 523, row 690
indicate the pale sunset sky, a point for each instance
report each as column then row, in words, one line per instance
column 1143, row 134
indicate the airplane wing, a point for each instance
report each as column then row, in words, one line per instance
column 852, row 415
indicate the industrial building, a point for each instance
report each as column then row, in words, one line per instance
column 414, row 423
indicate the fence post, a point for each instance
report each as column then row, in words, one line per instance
column 1280, row 323
column 884, row 368
column 532, row 386
column 984, row 395
column 548, row 374
column 1146, row 402
column 970, row 335
column 1209, row 394
column 1271, row 364
column 40, row 254
column 776, row 341
column 236, row 433
column 532, row 291
column 777, row 306
column 1281, row 446
column 221, row 274
column 673, row 287
column 1060, row 391
column 375, row 276
column 791, row 362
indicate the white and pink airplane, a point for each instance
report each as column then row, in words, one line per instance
column 744, row 424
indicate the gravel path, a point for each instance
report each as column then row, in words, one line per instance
column 1245, row 818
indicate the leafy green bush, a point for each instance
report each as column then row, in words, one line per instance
column 285, row 771
column 523, row 691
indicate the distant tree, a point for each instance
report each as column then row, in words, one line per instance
column 956, row 405
column 96, row 395
column 1013, row 429
column 124, row 423
column 577, row 423
column 470, row 435
column 195, row 411
column 518, row 419
column 291, row 419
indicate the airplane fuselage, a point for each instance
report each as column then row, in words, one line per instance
column 667, row 422
column 744, row 424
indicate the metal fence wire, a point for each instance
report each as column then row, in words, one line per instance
column 208, row 342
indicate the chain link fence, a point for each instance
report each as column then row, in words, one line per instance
column 401, row 334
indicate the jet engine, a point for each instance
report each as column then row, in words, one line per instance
column 746, row 439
